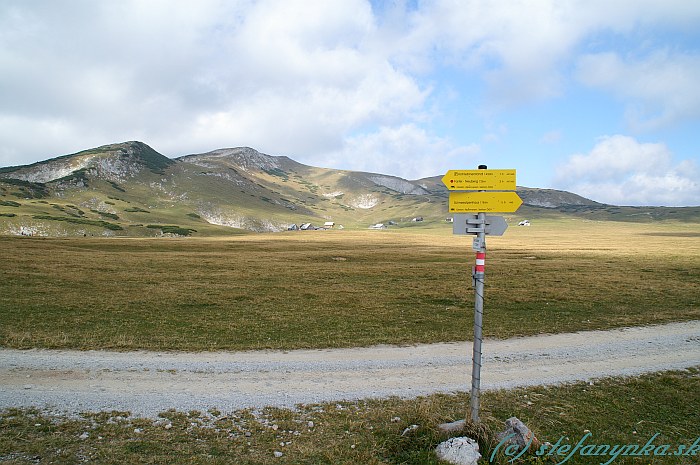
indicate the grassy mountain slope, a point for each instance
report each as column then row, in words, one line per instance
column 129, row 189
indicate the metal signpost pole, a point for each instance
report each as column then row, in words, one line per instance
column 480, row 248
column 469, row 202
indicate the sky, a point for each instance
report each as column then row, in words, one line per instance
column 597, row 97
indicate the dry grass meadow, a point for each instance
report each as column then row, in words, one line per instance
column 342, row 288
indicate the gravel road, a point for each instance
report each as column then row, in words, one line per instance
column 147, row 383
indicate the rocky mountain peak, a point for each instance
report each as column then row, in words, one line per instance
column 399, row 185
column 246, row 158
column 114, row 162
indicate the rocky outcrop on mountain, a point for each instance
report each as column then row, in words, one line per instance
column 244, row 158
column 49, row 171
column 399, row 185
column 114, row 162
column 232, row 220
column 364, row 201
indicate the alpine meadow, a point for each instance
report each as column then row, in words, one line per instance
column 344, row 232
column 121, row 249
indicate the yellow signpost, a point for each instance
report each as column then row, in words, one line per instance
column 487, row 202
column 480, row 180
column 480, row 201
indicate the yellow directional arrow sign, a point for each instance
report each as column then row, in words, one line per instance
column 484, row 180
column 487, row 202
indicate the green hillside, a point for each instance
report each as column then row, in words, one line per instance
column 129, row 189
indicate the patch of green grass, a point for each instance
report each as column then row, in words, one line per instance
column 79, row 175
column 32, row 190
column 106, row 214
column 616, row 411
column 85, row 221
column 9, row 203
column 116, row 186
column 135, row 210
column 170, row 229
column 277, row 172
column 155, row 161
column 71, row 210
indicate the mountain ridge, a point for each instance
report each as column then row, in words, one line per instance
column 129, row 188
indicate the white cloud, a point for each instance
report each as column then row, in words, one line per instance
column 619, row 170
column 337, row 77
column 192, row 76
column 660, row 89
column 42, row 136
column 407, row 151
column 615, row 155
column 523, row 49
column 514, row 46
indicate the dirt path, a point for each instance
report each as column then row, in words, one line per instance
column 146, row 383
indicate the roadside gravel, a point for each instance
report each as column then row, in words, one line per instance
column 146, row 383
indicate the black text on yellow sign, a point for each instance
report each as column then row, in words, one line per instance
column 487, row 202
column 494, row 180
